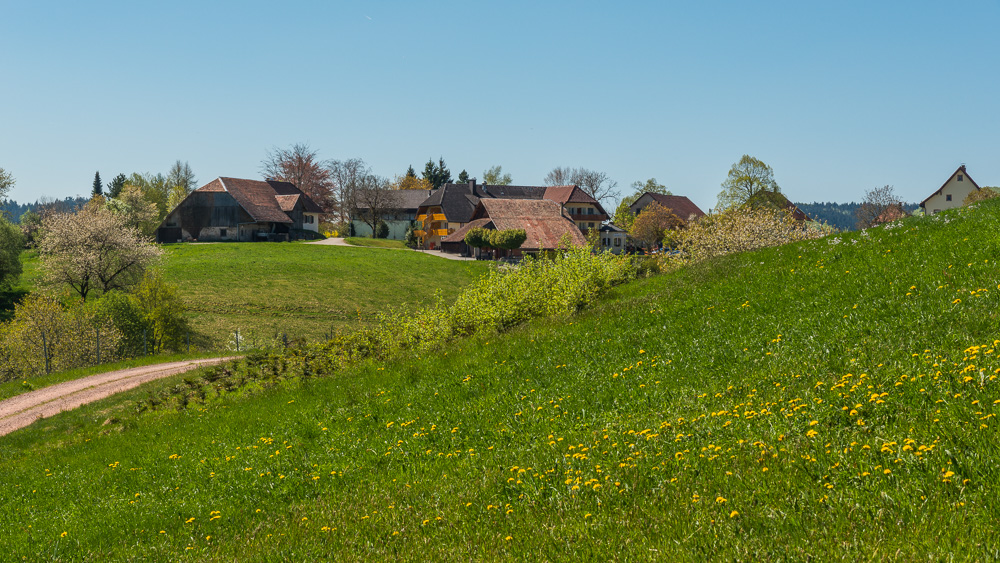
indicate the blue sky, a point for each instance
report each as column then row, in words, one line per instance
column 838, row 97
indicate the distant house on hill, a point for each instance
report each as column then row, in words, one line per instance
column 777, row 200
column 546, row 223
column 951, row 194
column 401, row 217
column 679, row 205
column 234, row 209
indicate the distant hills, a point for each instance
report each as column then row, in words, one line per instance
column 13, row 210
column 839, row 215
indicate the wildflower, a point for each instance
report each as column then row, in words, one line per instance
column 720, row 500
column 734, row 514
column 63, row 535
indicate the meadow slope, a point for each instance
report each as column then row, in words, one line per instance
column 302, row 290
column 832, row 399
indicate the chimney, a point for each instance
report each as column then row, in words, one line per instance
column 472, row 186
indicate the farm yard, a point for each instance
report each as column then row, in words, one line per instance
column 828, row 399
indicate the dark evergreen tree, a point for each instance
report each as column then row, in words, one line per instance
column 429, row 173
column 116, row 185
column 98, row 186
column 438, row 175
column 463, row 177
column 444, row 175
column 410, row 172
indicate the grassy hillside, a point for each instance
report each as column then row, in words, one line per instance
column 832, row 399
column 303, row 290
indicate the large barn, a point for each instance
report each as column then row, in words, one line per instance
column 234, row 209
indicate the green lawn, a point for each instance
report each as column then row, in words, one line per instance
column 375, row 242
column 829, row 400
column 302, row 290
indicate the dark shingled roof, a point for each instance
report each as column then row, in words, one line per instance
column 458, row 201
column 543, row 221
column 407, row 200
column 679, row 205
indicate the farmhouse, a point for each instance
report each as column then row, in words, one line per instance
column 234, row 209
column 951, row 194
column 452, row 206
column 679, row 205
column 547, row 224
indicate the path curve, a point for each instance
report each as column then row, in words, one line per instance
column 24, row 409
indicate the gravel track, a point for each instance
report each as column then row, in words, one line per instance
column 24, row 409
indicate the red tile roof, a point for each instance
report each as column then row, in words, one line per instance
column 679, row 205
column 543, row 221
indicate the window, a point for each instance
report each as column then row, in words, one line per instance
column 618, row 242
column 947, row 197
column 222, row 232
column 590, row 211
column 960, row 178
column 591, row 225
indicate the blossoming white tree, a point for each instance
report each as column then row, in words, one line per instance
column 94, row 250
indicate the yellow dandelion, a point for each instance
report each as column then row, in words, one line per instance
column 734, row 514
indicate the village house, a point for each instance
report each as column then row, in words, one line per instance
column 951, row 194
column 546, row 223
column 679, row 205
column 235, row 209
column 613, row 238
column 401, row 217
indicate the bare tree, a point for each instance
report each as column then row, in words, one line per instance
column 93, row 250
column 301, row 166
column 875, row 205
column 559, row 176
column 598, row 184
column 180, row 182
column 345, row 176
column 376, row 200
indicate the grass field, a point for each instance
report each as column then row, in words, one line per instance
column 375, row 242
column 833, row 399
column 303, row 290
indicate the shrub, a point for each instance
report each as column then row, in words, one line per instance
column 43, row 337
column 477, row 237
column 508, row 239
column 982, row 194
column 163, row 312
column 739, row 230
column 496, row 302
column 11, row 244
column 122, row 311
column 382, row 231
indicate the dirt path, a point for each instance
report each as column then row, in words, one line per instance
column 20, row 411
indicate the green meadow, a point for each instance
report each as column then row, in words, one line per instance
column 832, row 399
column 304, row 291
